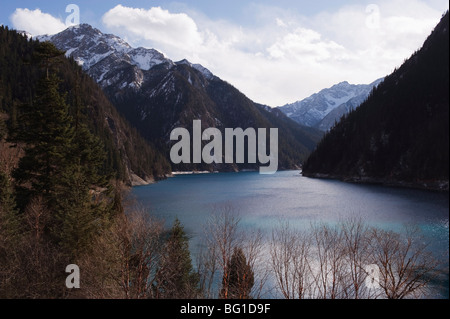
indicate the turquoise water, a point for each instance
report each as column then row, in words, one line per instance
column 261, row 200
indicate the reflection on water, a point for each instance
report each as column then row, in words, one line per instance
column 262, row 200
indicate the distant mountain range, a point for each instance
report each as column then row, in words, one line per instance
column 323, row 109
column 400, row 135
column 157, row 95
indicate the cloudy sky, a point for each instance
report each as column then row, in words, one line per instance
column 276, row 52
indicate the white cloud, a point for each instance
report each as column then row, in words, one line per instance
column 286, row 57
column 36, row 22
column 155, row 25
column 281, row 23
column 305, row 45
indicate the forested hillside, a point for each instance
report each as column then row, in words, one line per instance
column 128, row 156
column 400, row 135
column 65, row 154
column 157, row 95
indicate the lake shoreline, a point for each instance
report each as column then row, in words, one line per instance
column 441, row 186
column 262, row 201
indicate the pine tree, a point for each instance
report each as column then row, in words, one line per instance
column 63, row 163
column 48, row 138
column 46, row 54
column 241, row 277
column 74, row 226
column 176, row 278
column 79, row 217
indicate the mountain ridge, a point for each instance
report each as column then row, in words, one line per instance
column 323, row 108
column 173, row 94
column 400, row 135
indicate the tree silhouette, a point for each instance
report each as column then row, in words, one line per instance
column 240, row 278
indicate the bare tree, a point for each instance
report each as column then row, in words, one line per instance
column 330, row 273
column 9, row 155
column 220, row 239
column 406, row 266
column 37, row 217
column 124, row 260
column 207, row 267
column 102, row 268
column 144, row 245
column 290, row 253
column 35, row 265
column 253, row 247
column 356, row 244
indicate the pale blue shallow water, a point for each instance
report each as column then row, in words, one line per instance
column 262, row 199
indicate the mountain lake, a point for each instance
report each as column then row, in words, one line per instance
column 263, row 200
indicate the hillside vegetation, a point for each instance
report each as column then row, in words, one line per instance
column 400, row 135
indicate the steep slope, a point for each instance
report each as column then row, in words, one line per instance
column 157, row 95
column 335, row 115
column 129, row 156
column 400, row 135
column 332, row 102
column 108, row 59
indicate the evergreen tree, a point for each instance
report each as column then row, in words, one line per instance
column 62, row 163
column 49, row 137
column 78, row 217
column 241, row 277
column 74, row 226
column 176, row 278
column 46, row 54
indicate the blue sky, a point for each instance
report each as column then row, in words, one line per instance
column 233, row 10
column 276, row 52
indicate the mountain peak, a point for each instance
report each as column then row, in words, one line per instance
column 184, row 61
column 399, row 135
column 158, row 95
column 102, row 55
column 206, row 73
column 83, row 28
column 96, row 51
column 312, row 110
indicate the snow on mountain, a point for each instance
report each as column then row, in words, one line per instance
column 198, row 67
column 335, row 115
column 312, row 110
column 146, row 59
column 24, row 33
column 157, row 95
column 107, row 58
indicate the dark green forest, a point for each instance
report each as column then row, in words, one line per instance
column 126, row 151
column 401, row 133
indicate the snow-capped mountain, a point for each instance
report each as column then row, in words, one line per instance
column 108, row 58
column 105, row 56
column 198, row 67
column 400, row 135
column 314, row 109
column 157, row 95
